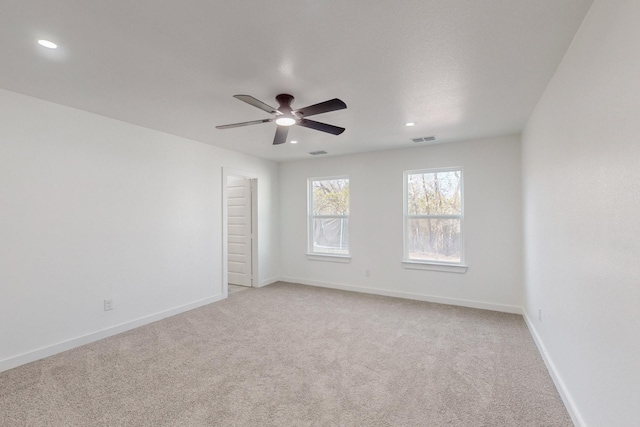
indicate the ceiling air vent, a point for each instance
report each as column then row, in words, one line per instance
column 317, row 153
column 425, row 139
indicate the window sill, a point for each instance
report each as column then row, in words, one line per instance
column 434, row 266
column 329, row 258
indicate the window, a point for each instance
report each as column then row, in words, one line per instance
column 329, row 216
column 433, row 216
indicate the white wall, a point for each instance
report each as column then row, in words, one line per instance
column 492, row 224
column 581, row 161
column 93, row 208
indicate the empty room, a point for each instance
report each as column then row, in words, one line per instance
column 320, row 213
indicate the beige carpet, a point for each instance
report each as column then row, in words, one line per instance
column 291, row 355
column 236, row 288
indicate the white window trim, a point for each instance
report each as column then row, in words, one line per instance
column 434, row 266
column 319, row 256
column 451, row 267
column 329, row 258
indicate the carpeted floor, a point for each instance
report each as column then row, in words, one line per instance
column 236, row 288
column 291, row 355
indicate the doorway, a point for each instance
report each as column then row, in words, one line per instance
column 240, row 231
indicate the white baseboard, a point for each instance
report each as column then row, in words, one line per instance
column 406, row 295
column 43, row 352
column 268, row 281
column 574, row 413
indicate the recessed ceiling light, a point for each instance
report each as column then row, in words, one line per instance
column 409, row 124
column 47, row 44
column 294, row 142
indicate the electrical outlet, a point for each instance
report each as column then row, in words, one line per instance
column 108, row 304
column 540, row 314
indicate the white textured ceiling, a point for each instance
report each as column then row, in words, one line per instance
column 458, row 68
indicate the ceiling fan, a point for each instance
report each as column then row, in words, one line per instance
column 285, row 116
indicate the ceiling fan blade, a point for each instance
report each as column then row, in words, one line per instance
column 312, row 124
column 256, row 103
column 237, row 125
column 323, row 107
column 281, row 135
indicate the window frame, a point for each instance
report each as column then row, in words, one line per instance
column 436, row 265
column 323, row 256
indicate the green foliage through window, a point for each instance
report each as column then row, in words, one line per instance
column 331, row 197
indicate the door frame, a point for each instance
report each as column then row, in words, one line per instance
column 254, row 227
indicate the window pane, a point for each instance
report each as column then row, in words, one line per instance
column 331, row 235
column 331, row 197
column 434, row 193
column 435, row 240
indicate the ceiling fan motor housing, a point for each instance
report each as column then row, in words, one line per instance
column 285, row 100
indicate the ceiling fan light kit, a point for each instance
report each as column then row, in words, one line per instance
column 285, row 117
column 285, row 121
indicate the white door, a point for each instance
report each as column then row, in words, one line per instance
column 239, row 230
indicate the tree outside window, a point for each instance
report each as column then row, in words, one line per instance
column 433, row 217
column 329, row 216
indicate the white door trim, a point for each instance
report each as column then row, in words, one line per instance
column 255, row 280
